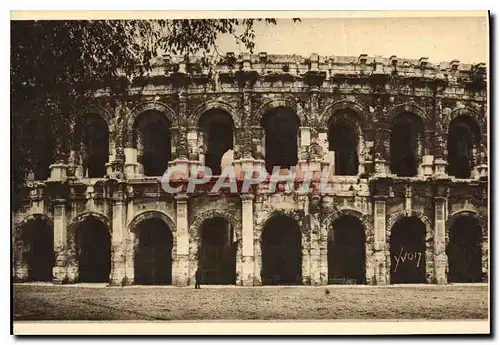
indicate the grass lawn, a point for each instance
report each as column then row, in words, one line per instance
column 47, row 302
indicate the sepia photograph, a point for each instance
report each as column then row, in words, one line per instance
column 294, row 172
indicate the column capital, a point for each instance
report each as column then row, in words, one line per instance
column 181, row 198
column 59, row 202
column 247, row 197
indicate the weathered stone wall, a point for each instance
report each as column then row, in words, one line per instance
column 372, row 90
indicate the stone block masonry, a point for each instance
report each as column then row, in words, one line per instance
column 404, row 142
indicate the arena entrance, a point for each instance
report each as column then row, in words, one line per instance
column 93, row 251
column 281, row 252
column 464, row 251
column 407, row 250
column 346, row 252
column 217, row 256
column 153, row 253
column 38, row 243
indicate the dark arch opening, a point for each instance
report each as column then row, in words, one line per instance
column 346, row 251
column 281, row 252
column 464, row 251
column 38, row 240
column 217, row 258
column 153, row 253
column 407, row 250
column 281, row 127
column 152, row 135
column 406, row 130
column 95, row 145
column 93, row 251
column 217, row 127
column 343, row 139
column 462, row 136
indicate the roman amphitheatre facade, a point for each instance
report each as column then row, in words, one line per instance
column 405, row 142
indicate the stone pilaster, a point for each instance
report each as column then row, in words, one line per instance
column 182, row 142
column 306, row 249
column 382, row 268
column 319, row 258
column 245, row 264
column 181, row 274
column 60, row 242
column 440, row 257
column 130, row 239
column 118, row 239
column 246, row 149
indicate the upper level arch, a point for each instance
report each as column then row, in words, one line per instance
column 272, row 104
column 132, row 116
column 408, row 108
column 343, row 109
column 214, row 105
column 466, row 113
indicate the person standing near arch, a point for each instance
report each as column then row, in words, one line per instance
column 197, row 278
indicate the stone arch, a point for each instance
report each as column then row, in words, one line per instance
column 34, row 248
column 85, row 262
column 327, row 232
column 463, row 143
column 147, row 106
column 128, row 124
column 78, row 219
column 334, row 107
column 82, row 115
column 276, row 103
column 144, row 267
column 232, row 252
column 215, row 104
column 405, row 214
column 296, row 215
column 150, row 214
column 365, row 219
column 472, row 265
column 94, row 109
column 92, row 148
column 226, row 214
column 466, row 112
column 471, row 212
column 280, row 254
column 408, row 107
column 29, row 218
column 429, row 239
column 407, row 125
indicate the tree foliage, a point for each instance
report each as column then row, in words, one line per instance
column 56, row 66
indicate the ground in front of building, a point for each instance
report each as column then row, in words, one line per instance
column 98, row 302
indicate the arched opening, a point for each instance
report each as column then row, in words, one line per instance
column 281, row 126
column 153, row 253
column 343, row 140
column 93, row 251
column 281, row 245
column 152, row 135
column 346, row 251
column 406, row 132
column 216, row 128
column 38, row 243
column 463, row 135
column 407, row 250
column 464, row 251
column 217, row 254
column 92, row 138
